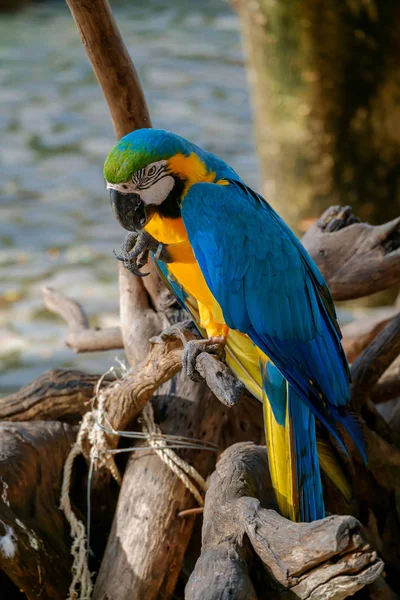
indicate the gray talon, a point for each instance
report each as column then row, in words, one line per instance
column 192, row 350
column 135, row 251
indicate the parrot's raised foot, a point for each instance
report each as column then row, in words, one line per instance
column 135, row 251
column 213, row 345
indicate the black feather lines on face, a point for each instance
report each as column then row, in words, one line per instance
column 171, row 207
column 145, row 181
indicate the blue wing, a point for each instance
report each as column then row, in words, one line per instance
column 269, row 288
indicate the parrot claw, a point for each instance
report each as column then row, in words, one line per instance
column 135, row 251
column 192, row 349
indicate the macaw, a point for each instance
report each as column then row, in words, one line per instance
column 251, row 286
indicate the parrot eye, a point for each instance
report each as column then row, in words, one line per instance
column 151, row 170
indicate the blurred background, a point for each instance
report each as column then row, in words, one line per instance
column 324, row 81
column 56, row 225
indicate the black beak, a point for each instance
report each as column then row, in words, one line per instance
column 129, row 210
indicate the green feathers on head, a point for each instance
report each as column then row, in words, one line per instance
column 139, row 149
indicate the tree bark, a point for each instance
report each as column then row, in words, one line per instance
column 326, row 103
column 148, row 539
column 34, row 540
column 327, row 559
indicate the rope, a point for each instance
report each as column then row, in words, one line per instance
column 170, row 458
column 80, row 571
column 94, row 427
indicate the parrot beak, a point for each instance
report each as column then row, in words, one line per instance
column 129, row 210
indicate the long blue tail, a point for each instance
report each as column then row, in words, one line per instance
column 292, row 447
column 308, row 475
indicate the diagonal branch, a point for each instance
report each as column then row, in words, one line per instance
column 356, row 259
column 373, row 362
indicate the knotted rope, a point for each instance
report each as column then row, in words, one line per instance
column 94, row 427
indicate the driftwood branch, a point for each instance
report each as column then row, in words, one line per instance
column 61, row 394
column 34, row 540
column 148, row 539
column 386, row 389
column 373, row 362
column 358, row 334
column 81, row 337
column 327, row 559
column 112, row 65
column 356, row 259
column 139, row 320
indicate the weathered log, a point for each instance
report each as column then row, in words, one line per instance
column 358, row 334
column 356, row 259
column 34, row 538
column 147, row 534
column 327, row 559
column 61, row 394
column 373, row 362
column 139, row 319
column 386, row 389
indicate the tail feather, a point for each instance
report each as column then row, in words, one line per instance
column 292, row 448
column 331, row 466
column 308, row 476
column 351, row 423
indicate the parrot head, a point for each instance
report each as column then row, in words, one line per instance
column 148, row 172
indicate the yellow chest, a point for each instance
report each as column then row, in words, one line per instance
column 184, row 268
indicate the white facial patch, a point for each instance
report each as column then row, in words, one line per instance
column 152, row 183
column 158, row 192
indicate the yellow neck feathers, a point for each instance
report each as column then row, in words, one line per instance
column 191, row 169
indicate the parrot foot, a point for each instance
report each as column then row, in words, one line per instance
column 213, row 345
column 135, row 251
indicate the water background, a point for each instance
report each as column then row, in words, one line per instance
column 56, row 226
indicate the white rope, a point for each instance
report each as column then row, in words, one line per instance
column 80, row 571
column 170, row 458
column 94, row 427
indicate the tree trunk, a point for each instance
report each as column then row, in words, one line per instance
column 325, row 87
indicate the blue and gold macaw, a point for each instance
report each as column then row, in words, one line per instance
column 249, row 283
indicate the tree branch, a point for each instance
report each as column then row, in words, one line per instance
column 356, row 259
column 373, row 362
column 34, row 540
column 327, row 559
column 112, row 65
column 62, row 394
column 80, row 338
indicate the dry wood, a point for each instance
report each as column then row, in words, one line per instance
column 34, row 539
column 112, row 64
column 121, row 87
column 147, row 534
column 358, row 334
column 386, row 389
column 139, row 320
column 356, row 259
column 373, row 362
column 62, row 394
column 81, row 338
column 327, row 559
